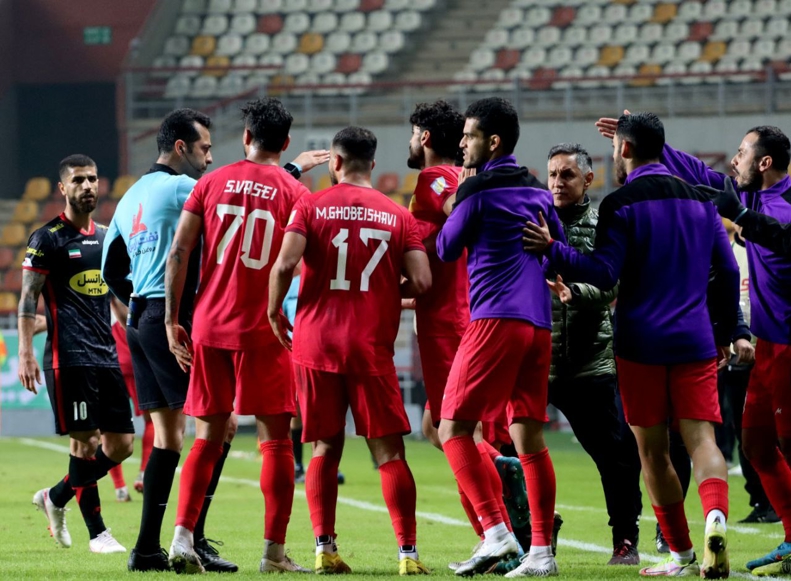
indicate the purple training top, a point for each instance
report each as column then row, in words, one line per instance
column 490, row 212
column 659, row 236
column 770, row 272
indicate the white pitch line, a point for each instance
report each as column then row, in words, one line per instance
column 446, row 520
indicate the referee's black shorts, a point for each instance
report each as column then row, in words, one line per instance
column 160, row 381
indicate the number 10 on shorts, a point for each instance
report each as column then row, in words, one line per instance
column 80, row 411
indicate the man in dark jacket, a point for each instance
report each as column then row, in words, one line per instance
column 582, row 381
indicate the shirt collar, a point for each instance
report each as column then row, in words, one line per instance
column 650, row 169
column 779, row 188
column 162, row 167
column 499, row 162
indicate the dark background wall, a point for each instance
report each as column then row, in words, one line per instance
column 57, row 94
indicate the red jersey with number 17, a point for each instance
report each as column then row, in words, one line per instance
column 245, row 207
column 349, row 297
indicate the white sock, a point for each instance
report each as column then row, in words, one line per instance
column 684, row 557
column 540, row 552
column 496, row 532
column 713, row 515
column 274, row 551
column 183, row 536
column 326, row 544
column 407, row 551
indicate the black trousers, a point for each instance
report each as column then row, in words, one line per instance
column 732, row 386
column 589, row 404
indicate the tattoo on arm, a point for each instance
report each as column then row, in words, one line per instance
column 32, row 283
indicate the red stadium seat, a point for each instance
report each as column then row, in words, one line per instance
column 371, row 5
column 51, row 210
column 563, row 16
column 349, row 63
column 700, row 31
column 6, row 258
column 270, row 24
column 542, row 79
column 12, row 281
column 507, row 59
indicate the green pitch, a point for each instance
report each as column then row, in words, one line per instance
column 365, row 539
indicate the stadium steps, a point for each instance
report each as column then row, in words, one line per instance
column 447, row 46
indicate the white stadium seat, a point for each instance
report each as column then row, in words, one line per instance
column 323, row 62
column 776, row 28
column 739, row 48
column 243, row 60
column 509, row 18
column 219, row 6
column 408, row 21
column 193, row 7
column 319, row 6
column 637, row 54
column 191, row 61
column 244, row 6
column 575, row 36
column 674, row 68
column 588, row 14
column 177, row 45
column 688, row 51
column 534, row 57
column 481, row 59
column 380, row 20
column 548, row 36
column 537, row 16
column 338, row 42
column 689, row 12
column 204, row 87
column 230, row 86
column 256, row 44
column 243, row 24
column 342, row 6
column 676, row 32
column 740, row 8
column 375, row 62
column 333, row 82
column 714, row 10
column 725, row 30
column 164, row 61
column 600, row 35
column 522, row 38
column 496, row 38
column 765, row 8
column 292, row 6
column 271, row 60
column 764, row 48
column 256, row 80
column 570, row 72
column 284, row 43
column 189, row 25
column 640, row 12
column 324, row 22
column 229, row 45
column 392, row 41
column 498, row 78
column 625, row 34
column 615, row 13
column 586, row 56
column 296, row 22
column 423, row 5
column 397, row 5
column 358, row 78
column 651, row 33
column 352, row 22
column 296, row 63
column 178, row 86
column 663, row 53
column 364, row 41
column 214, row 25
column 560, row 56
column 751, row 29
column 269, row 6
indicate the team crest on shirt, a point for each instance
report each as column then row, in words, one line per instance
column 439, row 185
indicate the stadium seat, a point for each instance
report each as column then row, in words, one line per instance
column 323, row 182
column 499, row 81
column 663, row 53
column 269, row 6
column 586, row 56
column 219, row 6
column 559, row 57
column 311, row 43
column 409, row 184
column 229, row 45
column 357, row 78
column 725, row 30
column 246, row 61
column 615, row 13
column 689, row 12
column 701, row 67
column 323, row 63
column 215, row 25
column 688, row 51
column 392, row 41
column 6, row 258
column 243, row 24
column 508, row 58
column 600, row 35
column 8, row 302
column 25, row 212
column 766, row 8
column 37, row 189
column 610, row 56
column 244, row 6
column 397, row 5
column 177, row 46
column 178, row 86
column 319, row 6
column 700, row 31
column 764, row 49
column 257, row 80
column 364, row 41
column 375, row 62
column 573, row 36
column 776, row 28
column 371, row 5
column 751, row 29
column 739, row 8
column 256, row 44
column 204, row 45
column 570, row 72
column 343, row 6
column 352, row 22
column 783, row 49
column 714, row 10
column 14, row 234
column 521, row 38
column 349, row 63
column 192, row 65
column 534, row 57
column 648, row 71
column 739, row 48
column 542, row 79
column 121, row 185
column 637, row 54
column 664, row 13
column 296, row 23
column 548, row 36
column 672, row 68
column 338, row 42
column 423, row 5
column 625, row 34
column 273, row 61
column 380, row 20
column 496, row 39
column 292, row 6
column 509, row 18
column 387, row 182
column 204, row 87
column 284, row 43
column 231, row 85
column 296, row 64
column 408, row 21
column 588, row 14
column 537, row 16
column 482, row 58
column 51, row 210
column 562, row 16
column 193, row 7
column 188, row 25
column 164, row 61
column 713, row 51
column 216, row 66
column 651, row 33
column 640, row 12
column 270, row 24
column 324, row 22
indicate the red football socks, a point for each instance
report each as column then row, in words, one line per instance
column 117, row 474
column 470, row 511
column 467, row 465
column 321, row 490
column 775, row 477
column 277, row 485
column 541, row 489
column 195, row 477
column 673, row 523
column 148, row 444
column 400, row 494
column 714, row 495
column 490, row 469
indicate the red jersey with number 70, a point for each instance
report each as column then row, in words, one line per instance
column 349, row 297
column 245, row 208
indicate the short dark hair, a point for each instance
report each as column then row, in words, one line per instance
column 75, row 160
column 180, row 124
column 358, row 145
column 496, row 116
column 584, row 160
column 774, row 143
column 269, row 123
column 445, row 124
column 645, row 132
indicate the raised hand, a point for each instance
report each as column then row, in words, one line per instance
column 608, row 125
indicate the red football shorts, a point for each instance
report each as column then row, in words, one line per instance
column 259, row 380
column 768, row 402
column 501, row 364
column 496, row 433
column 324, row 397
column 436, row 358
column 656, row 394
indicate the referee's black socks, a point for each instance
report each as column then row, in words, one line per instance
column 157, row 482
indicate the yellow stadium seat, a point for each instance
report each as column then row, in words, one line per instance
column 14, row 234
column 217, row 66
column 26, row 211
column 311, row 43
column 409, row 183
column 628, row 2
column 20, row 256
column 8, row 302
column 664, row 13
column 203, row 45
column 610, row 56
column 120, row 185
column 647, row 69
column 323, row 183
column 713, row 51
column 280, row 84
column 37, row 189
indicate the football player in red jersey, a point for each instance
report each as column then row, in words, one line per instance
column 240, row 211
column 357, row 245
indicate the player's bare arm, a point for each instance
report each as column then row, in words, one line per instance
column 187, row 234
column 41, row 324
column 307, row 160
column 29, row 372
column 608, row 125
column 417, row 273
column 279, row 280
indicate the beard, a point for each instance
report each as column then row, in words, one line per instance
column 619, row 171
column 416, row 159
column 83, row 204
column 750, row 180
column 333, row 178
